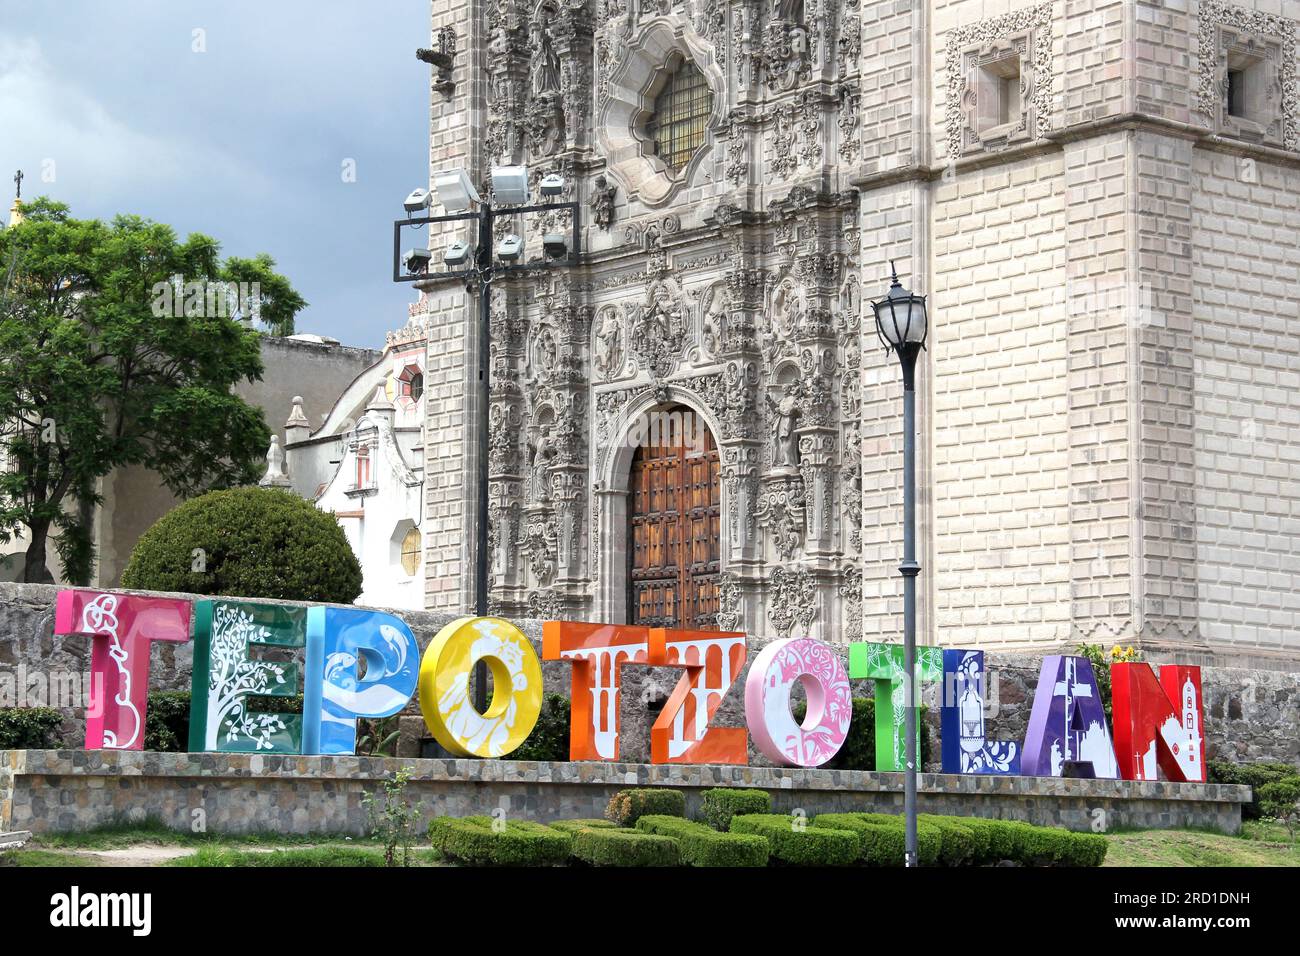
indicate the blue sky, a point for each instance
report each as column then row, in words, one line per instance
column 245, row 141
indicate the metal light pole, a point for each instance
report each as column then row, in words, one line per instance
column 901, row 325
column 477, row 271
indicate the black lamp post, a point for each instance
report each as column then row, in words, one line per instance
column 901, row 325
column 477, row 266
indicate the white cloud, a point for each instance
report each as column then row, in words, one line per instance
column 46, row 119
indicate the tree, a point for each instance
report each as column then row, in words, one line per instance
column 101, row 365
column 247, row 542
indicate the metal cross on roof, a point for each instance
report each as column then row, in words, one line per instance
column 18, row 182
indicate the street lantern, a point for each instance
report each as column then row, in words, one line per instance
column 901, row 323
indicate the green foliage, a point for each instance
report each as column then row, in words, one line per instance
column 617, row 846
column 883, row 838
column 167, row 721
column 97, row 375
column 29, row 728
column 700, row 845
column 483, row 841
column 1254, row 775
column 721, row 804
column 1101, row 659
column 859, row 750
column 1280, row 800
column 796, row 844
column 319, row 856
column 393, row 822
column 628, row 806
column 550, row 738
column 377, row 737
column 247, row 542
column 966, row 841
column 573, row 826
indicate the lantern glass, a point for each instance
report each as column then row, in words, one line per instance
column 901, row 318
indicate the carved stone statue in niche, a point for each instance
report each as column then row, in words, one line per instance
column 602, row 202
column 609, row 345
column 545, row 70
column 542, row 454
column 785, row 416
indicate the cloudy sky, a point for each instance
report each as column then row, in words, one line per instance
column 235, row 118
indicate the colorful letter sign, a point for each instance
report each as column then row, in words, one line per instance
column 1068, row 723
column 712, row 660
column 445, row 698
column 1158, row 723
column 883, row 663
column 122, row 627
column 595, row 653
column 338, row 639
column 965, row 749
column 767, row 702
column 225, row 677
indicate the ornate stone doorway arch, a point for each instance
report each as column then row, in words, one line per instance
column 662, row 517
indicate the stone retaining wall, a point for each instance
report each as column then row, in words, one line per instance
column 1251, row 715
column 60, row 790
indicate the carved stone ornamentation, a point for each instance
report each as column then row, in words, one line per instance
column 1255, row 41
column 781, row 511
column 538, row 546
column 791, row 599
column 1015, row 48
column 730, row 610
column 851, row 601
column 546, row 605
column 658, row 332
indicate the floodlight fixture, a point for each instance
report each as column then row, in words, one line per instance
column 457, row 254
column 416, row 260
column 552, row 185
column 418, row 199
column 511, row 248
column 555, row 245
column 455, row 191
column 510, row 184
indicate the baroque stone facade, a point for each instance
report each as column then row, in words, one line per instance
column 1109, row 448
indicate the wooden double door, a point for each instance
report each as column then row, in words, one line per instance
column 674, row 527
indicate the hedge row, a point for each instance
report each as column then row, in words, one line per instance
column 796, row 844
column 721, row 804
column 700, row 845
column 482, row 841
column 617, row 846
column 628, row 806
column 966, row 841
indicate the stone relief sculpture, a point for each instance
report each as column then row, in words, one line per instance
column 609, row 344
column 785, row 415
column 601, row 202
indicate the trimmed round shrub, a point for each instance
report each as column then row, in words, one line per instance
column 247, row 542
column 722, row 803
column 628, row 806
column 800, row 846
column 475, row 841
column 700, row 845
column 623, row 847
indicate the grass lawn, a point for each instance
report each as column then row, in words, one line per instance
column 1260, row 844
